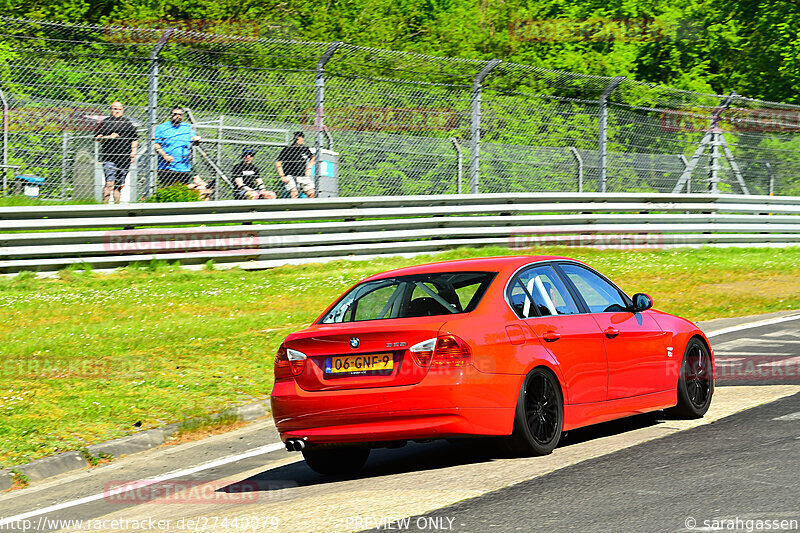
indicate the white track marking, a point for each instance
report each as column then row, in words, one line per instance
column 784, row 333
column 261, row 450
column 730, row 345
column 750, row 341
column 750, row 325
column 725, row 353
column 772, row 341
column 790, row 416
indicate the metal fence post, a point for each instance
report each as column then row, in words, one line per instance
column 713, row 172
column 64, row 150
column 579, row 160
column 319, row 109
column 460, row 172
column 5, row 141
column 152, row 110
column 133, row 179
column 685, row 166
column 475, row 126
column 771, row 174
column 219, row 150
column 602, row 148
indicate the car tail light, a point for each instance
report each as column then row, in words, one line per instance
column 447, row 350
column 423, row 351
column 451, row 351
column 292, row 360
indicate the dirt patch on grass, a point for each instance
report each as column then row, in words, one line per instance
column 205, row 431
column 774, row 287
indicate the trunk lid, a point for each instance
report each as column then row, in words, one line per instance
column 362, row 354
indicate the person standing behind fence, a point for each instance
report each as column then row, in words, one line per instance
column 294, row 167
column 118, row 145
column 173, row 143
column 247, row 179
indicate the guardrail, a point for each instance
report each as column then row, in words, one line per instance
column 263, row 234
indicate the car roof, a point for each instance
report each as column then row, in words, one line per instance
column 488, row 264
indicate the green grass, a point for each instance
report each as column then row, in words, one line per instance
column 85, row 357
column 19, row 200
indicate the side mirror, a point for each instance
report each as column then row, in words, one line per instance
column 641, row 302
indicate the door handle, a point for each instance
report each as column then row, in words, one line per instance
column 551, row 336
column 611, row 332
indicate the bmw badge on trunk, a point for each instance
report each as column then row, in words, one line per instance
column 355, row 342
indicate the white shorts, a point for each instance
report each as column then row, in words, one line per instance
column 306, row 183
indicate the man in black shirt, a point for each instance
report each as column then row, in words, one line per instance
column 117, row 150
column 247, row 179
column 294, row 167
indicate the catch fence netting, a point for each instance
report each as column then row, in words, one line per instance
column 381, row 122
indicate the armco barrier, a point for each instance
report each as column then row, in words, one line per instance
column 262, row 234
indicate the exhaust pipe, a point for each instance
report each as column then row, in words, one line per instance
column 295, row 445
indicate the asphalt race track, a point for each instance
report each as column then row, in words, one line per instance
column 767, row 355
column 737, row 466
column 743, row 467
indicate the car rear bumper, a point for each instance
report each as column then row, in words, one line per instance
column 461, row 402
column 406, row 425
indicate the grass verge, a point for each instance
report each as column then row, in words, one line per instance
column 19, row 200
column 87, row 357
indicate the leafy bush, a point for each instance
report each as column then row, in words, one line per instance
column 175, row 193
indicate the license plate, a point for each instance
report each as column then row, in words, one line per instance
column 359, row 363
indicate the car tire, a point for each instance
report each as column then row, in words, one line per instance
column 539, row 416
column 336, row 461
column 696, row 381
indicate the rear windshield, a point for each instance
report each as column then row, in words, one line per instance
column 443, row 293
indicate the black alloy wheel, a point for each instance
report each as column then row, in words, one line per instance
column 696, row 382
column 539, row 416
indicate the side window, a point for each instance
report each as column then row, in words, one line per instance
column 420, row 292
column 466, row 293
column 599, row 295
column 518, row 299
column 373, row 305
column 428, row 299
column 550, row 295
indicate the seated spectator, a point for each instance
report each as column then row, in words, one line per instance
column 203, row 187
column 247, row 179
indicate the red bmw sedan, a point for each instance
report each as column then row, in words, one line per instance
column 522, row 347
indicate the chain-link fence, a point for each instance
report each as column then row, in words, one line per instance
column 380, row 122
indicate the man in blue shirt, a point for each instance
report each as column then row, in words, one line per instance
column 173, row 143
